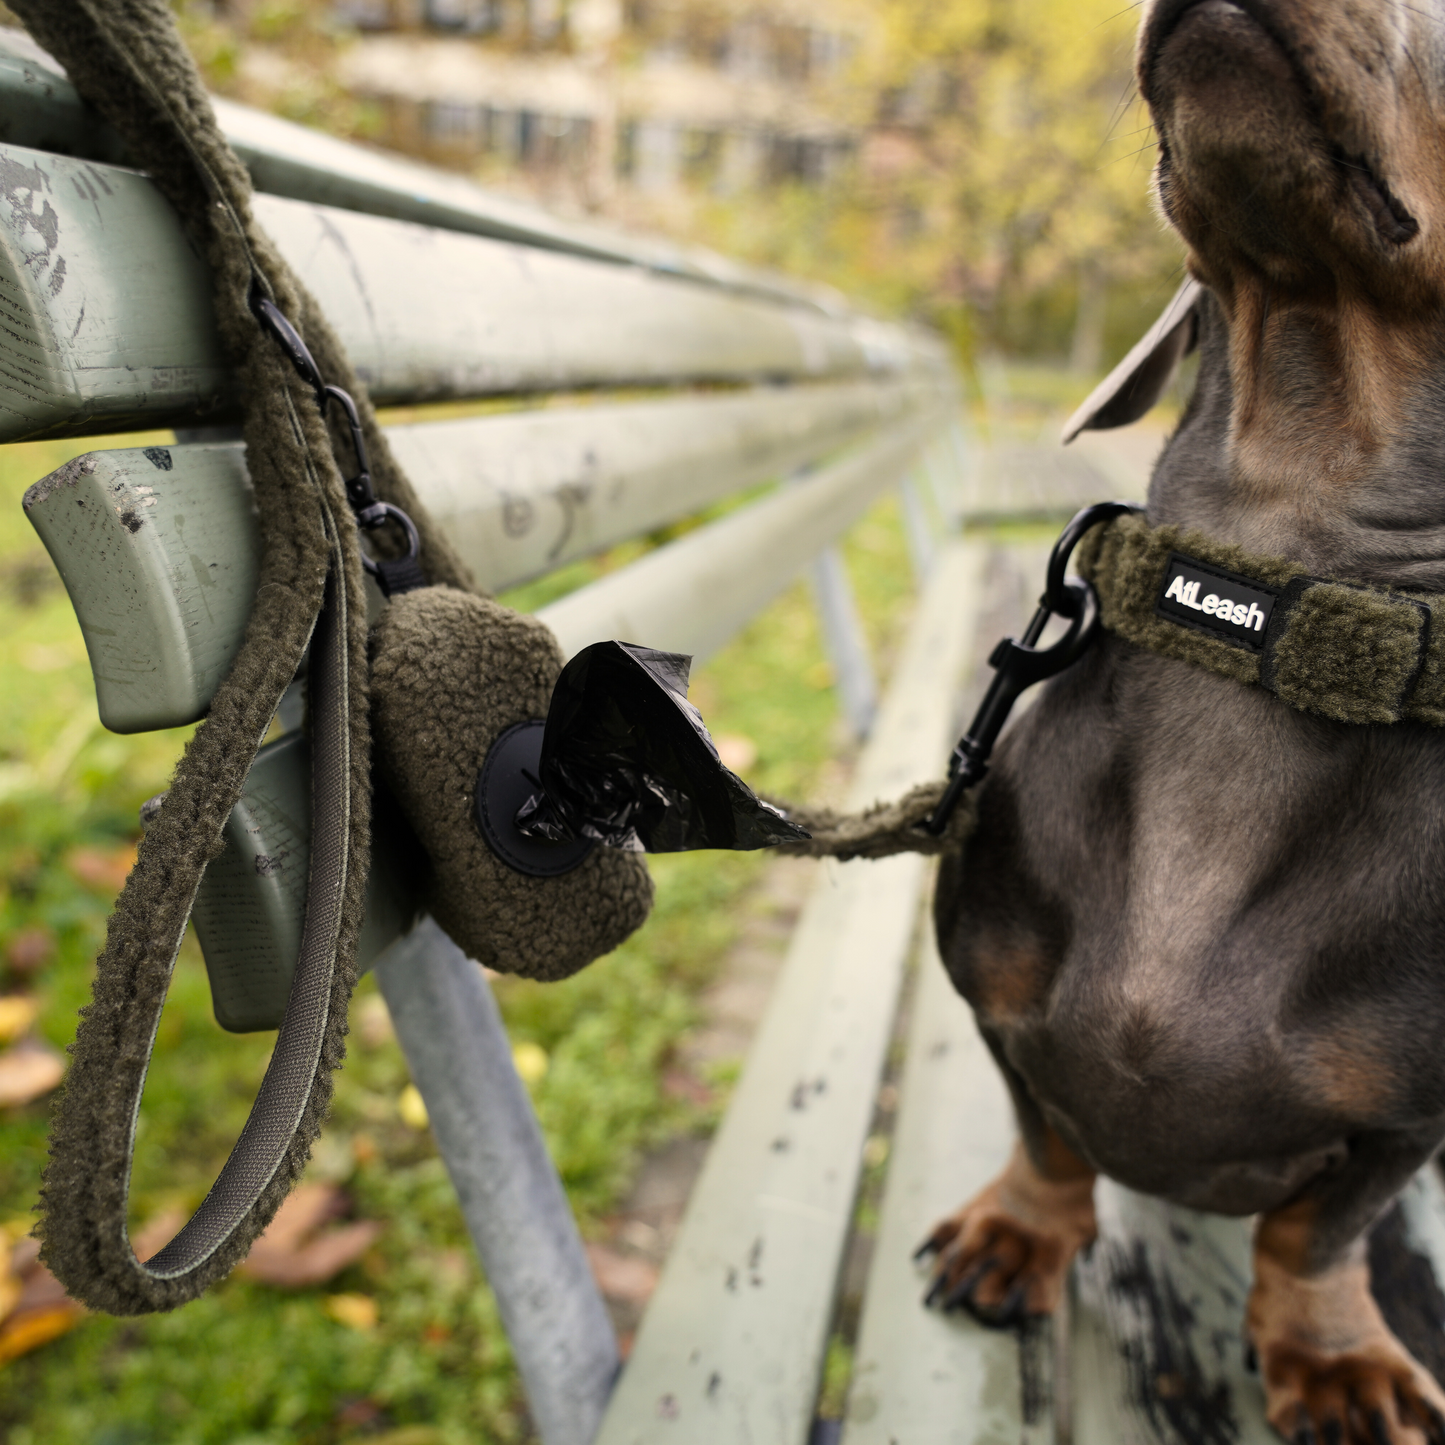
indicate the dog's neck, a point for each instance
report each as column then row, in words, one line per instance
column 1317, row 433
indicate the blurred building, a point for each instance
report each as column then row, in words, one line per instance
column 586, row 99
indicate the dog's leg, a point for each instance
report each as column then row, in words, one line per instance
column 1333, row 1372
column 1005, row 1255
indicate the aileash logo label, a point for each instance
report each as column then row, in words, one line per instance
column 1233, row 608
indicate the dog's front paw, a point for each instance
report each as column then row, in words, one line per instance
column 1333, row 1372
column 1005, row 1255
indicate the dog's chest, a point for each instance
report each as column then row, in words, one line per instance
column 1199, row 925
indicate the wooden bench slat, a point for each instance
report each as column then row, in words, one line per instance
column 694, row 594
column 161, row 563
column 1158, row 1338
column 731, row 1346
column 95, row 275
column 158, row 548
column 1157, row 1345
column 427, row 313
column 918, row 1375
column 39, row 108
column 529, row 491
column 105, row 317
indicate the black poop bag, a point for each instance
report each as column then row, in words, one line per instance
column 627, row 760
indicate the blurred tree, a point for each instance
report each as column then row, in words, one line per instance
column 1031, row 160
column 1002, row 189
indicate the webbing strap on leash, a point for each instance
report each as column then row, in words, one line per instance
column 281, row 1103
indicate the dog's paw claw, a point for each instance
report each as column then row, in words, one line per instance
column 1013, row 1313
column 1005, row 1255
column 1357, row 1398
column 960, row 1293
column 942, row 1236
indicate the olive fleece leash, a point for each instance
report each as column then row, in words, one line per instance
column 126, row 58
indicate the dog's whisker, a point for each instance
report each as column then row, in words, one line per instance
column 1125, row 136
column 1126, row 99
column 1128, row 155
column 1422, row 14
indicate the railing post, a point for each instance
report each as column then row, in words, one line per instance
column 916, row 530
column 451, row 1032
column 843, row 637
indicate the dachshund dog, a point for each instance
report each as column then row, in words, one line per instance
column 1204, row 934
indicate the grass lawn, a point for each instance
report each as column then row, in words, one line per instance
column 423, row 1360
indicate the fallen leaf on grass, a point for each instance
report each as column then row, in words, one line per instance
column 355, row 1311
column 358, row 1413
column 679, row 1084
column 30, row 949
column 103, row 869
column 530, row 1061
column 34, row 1308
column 412, row 1108
column 28, row 1071
column 298, row 1251
column 622, row 1276
column 17, row 1012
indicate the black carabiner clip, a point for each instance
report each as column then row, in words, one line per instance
column 1018, row 665
column 394, row 575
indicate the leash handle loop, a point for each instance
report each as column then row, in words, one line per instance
column 1019, row 664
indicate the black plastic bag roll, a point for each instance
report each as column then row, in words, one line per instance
column 627, row 760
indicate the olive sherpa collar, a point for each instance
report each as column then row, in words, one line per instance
column 1338, row 649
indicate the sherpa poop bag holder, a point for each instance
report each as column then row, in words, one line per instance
column 534, row 788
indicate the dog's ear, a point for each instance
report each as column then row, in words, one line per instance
column 1140, row 379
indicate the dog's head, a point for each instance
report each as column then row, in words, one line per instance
column 1302, row 142
column 1302, row 159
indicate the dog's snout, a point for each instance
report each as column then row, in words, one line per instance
column 1296, row 135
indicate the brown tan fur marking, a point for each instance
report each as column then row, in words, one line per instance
column 1328, row 1360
